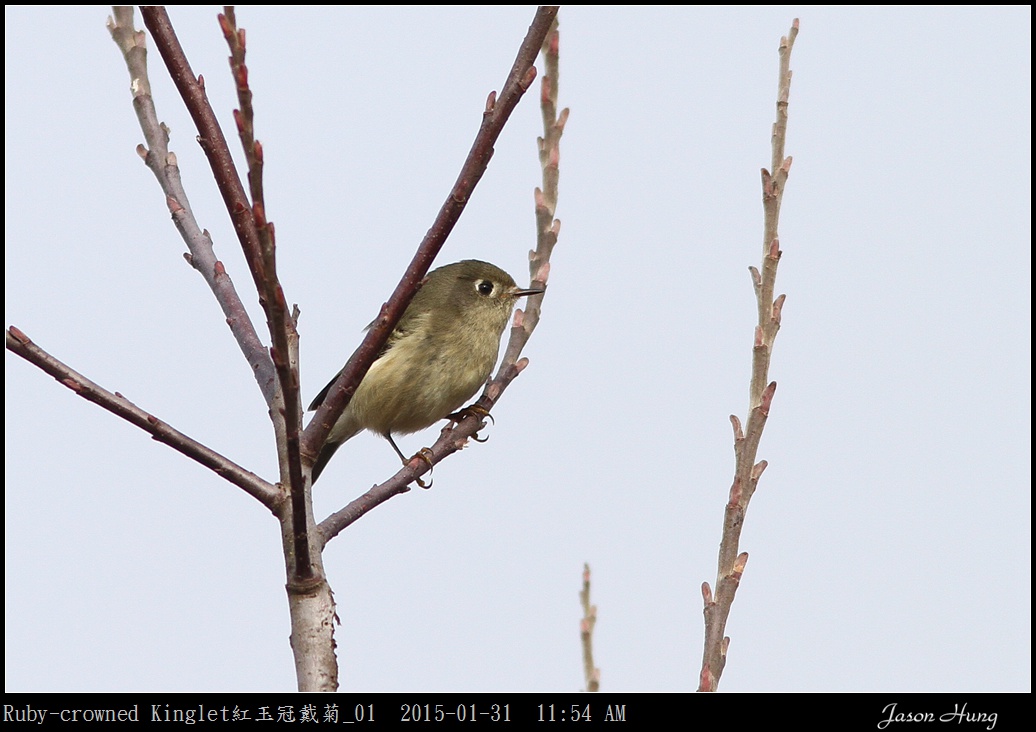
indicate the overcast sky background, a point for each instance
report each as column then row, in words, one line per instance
column 890, row 538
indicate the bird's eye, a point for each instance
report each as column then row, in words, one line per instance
column 484, row 287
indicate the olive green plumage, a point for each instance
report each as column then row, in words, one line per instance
column 440, row 354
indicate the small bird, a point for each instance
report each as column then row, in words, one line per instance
column 440, row 353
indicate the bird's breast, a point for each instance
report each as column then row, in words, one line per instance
column 420, row 380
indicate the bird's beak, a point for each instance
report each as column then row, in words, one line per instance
column 519, row 292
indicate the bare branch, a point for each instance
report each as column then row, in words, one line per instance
column 731, row 563
column 269, row 495
column 286, row 409
column 210, row 137
column 247, row 222
column 257, row 239
column 245, row 116
column 545, row 198
column 163, row 165
column 586, row 634
column 455, row 435
column 497, row 111
column 256, row 235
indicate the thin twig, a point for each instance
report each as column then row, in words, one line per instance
column 256, row 237
column 269, row 495
column 547, row 227
column 245, row 116
column 455, row 435
column 212, row 141
column 163, row 165
column 746, row 443
column 497, row 111
column 586, row 634
column 287, row 406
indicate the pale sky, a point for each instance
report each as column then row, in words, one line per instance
column 890, row 537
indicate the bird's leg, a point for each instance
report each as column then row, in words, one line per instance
column 424, row 454
column 481, row 412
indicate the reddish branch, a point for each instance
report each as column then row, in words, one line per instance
column 498, row 110
column 269, row 495
column 276, row 373
column 259, row 253
column 256, row 235
column 455, row 435
column 287, row 407
column 746, row 442
column 163, row 165
column 210, row 136
column 244, row 117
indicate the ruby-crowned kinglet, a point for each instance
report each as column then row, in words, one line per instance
column 440, row 353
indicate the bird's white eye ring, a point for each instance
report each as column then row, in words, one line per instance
column 484, row 287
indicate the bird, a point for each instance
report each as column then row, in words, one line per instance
column 439, row 354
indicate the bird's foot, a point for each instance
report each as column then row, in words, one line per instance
column 425, row 453
column 481, row 412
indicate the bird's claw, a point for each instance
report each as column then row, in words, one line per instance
column 425, row 453
column 481, row 412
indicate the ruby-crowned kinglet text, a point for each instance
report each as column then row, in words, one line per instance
column 440, row 353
